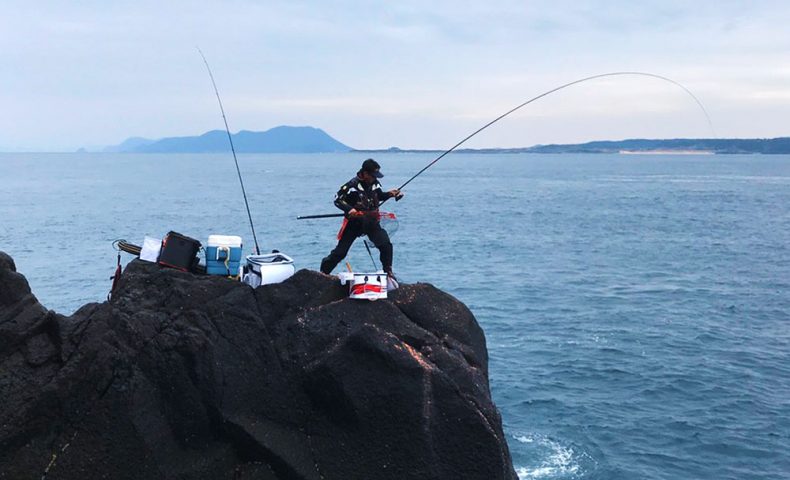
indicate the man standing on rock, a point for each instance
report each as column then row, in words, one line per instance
column 359, row 198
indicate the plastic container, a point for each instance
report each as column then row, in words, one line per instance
column 268, row 268
column 365, row 286
column 223, row 255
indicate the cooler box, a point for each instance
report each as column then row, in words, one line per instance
column 365, row 286
column 179, row 251
column 223, row 255
column 268, row 268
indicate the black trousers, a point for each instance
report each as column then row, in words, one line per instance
column 357, row 228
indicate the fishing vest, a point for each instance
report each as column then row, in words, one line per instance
column 354, row 194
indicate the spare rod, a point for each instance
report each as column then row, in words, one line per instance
column 232, row 149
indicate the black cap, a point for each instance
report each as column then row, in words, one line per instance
column 372, row 167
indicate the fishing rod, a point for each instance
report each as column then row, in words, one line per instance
column 561, row 87
column 232, row 149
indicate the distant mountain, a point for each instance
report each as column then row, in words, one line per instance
column 281, row 139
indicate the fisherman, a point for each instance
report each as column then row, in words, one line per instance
column 359, row 198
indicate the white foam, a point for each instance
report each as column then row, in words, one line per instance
column 560, row 461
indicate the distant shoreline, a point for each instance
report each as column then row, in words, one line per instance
column 507, row 151
column 666, row 152
column 485, row 151
column 677, row 146
column 301, row 140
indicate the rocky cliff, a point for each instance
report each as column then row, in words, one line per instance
column 192, row 377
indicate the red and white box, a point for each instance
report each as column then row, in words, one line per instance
column 365, row 286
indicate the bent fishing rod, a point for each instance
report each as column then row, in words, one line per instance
column 232, row 149
column 561, row 87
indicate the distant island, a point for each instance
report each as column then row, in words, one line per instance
column 287, row 139
column 283, row 139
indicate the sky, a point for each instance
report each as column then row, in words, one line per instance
column 412, row 74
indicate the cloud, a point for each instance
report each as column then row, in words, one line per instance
column 410, row 71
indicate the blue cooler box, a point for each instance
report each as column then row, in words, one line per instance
column 223, row 255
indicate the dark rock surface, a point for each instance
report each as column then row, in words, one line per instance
column 189, row 377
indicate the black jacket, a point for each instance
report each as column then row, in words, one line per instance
column 355, row 194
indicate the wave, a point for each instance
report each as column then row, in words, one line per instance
column 554, row 460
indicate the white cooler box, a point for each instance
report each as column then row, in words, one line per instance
column 268, row 268
column 365, row 286
column 223, row 255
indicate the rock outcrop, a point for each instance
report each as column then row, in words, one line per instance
column 197, row 377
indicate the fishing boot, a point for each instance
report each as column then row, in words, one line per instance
column 392, row 282
column 388, row 271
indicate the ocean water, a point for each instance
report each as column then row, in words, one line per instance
column 637, row 308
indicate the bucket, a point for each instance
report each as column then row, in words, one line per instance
column 268, row 268
column 368, row 286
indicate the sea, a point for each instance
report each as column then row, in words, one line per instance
column 636, row 307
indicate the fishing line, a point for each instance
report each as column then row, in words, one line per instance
column 549, row 92
column 232, row 149
column 612, row 74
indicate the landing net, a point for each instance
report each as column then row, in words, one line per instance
column 389, row 222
